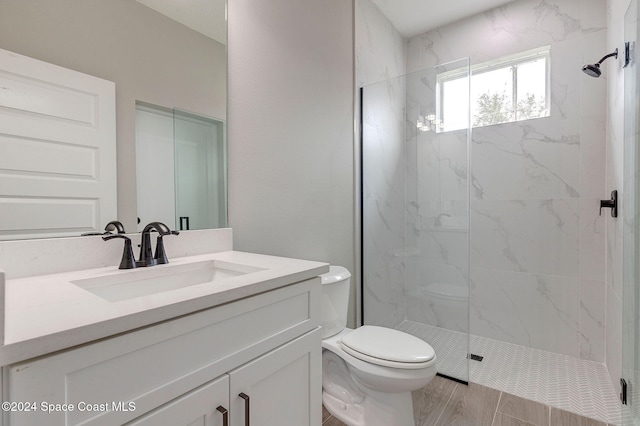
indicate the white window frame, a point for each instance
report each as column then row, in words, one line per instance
column 503, row 62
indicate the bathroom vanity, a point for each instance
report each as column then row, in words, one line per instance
column 235, row 342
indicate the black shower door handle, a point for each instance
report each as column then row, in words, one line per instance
column 184, row 223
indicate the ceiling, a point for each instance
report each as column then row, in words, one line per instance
column 413, row 17
column 205, row 16
column 409, row 17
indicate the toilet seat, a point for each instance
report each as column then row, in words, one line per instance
column 388, row 348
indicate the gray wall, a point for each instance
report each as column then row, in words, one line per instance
column 150, row 58
column 291, row 162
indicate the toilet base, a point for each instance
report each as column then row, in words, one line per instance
column 376, row 409
column 351, row 415
column 363, row 394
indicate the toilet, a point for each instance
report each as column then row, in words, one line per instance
column 368, row 373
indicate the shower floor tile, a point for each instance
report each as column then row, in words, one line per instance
column 579, row 386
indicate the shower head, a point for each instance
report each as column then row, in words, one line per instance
column 593, row 70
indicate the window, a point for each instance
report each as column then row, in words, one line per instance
column 513, row 88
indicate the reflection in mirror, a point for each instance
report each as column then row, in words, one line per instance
column 200, row 171
column 153, row 50
column 181, row 168
column 57, row 149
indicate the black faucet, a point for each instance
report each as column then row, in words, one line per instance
column 146, row 255
column 160, row 255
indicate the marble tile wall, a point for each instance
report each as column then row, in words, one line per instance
column 437, row 211
column 537, row 243
column 383, row 186
column 380, row 59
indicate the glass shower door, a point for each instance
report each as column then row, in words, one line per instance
column 415, row 163
column 631, row 227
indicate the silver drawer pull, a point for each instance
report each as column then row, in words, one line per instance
column 225, row 415
column 246, row 408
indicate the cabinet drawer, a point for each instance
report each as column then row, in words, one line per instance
column 156, row 364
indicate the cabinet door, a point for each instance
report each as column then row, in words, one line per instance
column 196, row 408
column 284, row 386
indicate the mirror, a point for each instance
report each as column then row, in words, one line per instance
column 178, row 62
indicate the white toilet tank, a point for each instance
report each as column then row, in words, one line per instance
column 335, row 300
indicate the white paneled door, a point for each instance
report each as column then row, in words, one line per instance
column 57, row 150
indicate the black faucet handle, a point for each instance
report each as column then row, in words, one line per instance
column 128, row 260
column 611, row 204
column 160, row 255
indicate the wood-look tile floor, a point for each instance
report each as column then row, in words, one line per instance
column 447, row 403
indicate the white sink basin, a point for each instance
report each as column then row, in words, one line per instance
column 125, row 285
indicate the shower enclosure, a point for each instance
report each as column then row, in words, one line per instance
column 485, row 240
column 523, row 247
column 415, row 209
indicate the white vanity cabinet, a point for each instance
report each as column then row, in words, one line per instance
column 274, row 389
column 178, row 372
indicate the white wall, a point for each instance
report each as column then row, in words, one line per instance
column 291, row 162
column 150, row 58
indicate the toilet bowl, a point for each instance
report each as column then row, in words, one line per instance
column 368, row 373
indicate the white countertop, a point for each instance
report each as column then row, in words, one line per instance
column 47, row 313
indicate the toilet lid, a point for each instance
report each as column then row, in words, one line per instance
column 388, row 347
